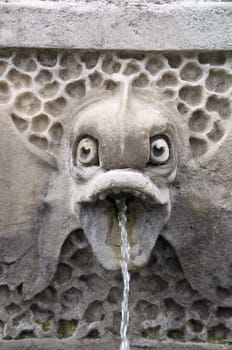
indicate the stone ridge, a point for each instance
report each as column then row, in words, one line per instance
column 119, row 2
column 48, row 344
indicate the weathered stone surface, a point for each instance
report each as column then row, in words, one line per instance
column 59, row 345
column 29, row 345
column 51, row 282
column 134, row 25
column 51, row 345
column 78, row 126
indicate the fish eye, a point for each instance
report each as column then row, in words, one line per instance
column 87, row 151
column 159, row 150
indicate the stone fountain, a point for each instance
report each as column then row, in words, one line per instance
column 102, row 102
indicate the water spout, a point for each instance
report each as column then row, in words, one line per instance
column 125, row 251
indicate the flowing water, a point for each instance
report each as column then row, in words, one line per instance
column 125, row 251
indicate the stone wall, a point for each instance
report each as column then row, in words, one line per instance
column 54, row 291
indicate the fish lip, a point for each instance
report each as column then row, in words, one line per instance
column 123, row 182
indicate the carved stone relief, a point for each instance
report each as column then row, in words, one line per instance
column 152, row 126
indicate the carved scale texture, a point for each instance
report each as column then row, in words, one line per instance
column 38, row 85
column 84, row 301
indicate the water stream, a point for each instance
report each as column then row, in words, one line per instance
column 125, row 251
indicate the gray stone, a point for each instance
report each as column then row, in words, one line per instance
column 52, row 278
column 134, row 25
column 59, row 345
column 81, row 127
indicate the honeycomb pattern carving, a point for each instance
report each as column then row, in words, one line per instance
column 163, row 305
column 38, row 85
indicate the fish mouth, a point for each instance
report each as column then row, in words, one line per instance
column 148, row 209
column 127, row 183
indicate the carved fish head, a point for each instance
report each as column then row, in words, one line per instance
column 123, row 144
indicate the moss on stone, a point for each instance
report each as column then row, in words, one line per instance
column 66, row 328
column 93, row 334
column 218, row 341
column 45, row 325
column 176, row 334
column 26, row 334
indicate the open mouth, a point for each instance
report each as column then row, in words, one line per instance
column 148, row 208
column 112, row 195
column 123, row 182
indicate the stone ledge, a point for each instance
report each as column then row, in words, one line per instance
column 135, row 26
column 52, row 344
